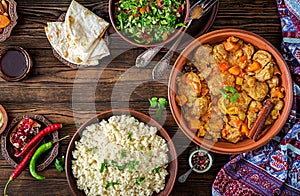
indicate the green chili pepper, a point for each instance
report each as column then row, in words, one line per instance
column 43, row 148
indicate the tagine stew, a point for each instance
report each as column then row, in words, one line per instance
column 223, row 88
column 148, row 21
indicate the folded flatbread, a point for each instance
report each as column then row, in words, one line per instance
column 79, row 43
column 83, row 27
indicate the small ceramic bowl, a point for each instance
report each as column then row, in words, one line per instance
column 12, row 14
column 15, row 63
column 111, row 11
column 4, row 119
column 204, row 161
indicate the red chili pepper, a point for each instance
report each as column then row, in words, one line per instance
column 38, row 137
column 21, row 166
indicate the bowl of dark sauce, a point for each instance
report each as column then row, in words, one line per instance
column 15, row 63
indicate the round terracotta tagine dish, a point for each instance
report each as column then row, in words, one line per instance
column 172, row 165
column 224, row 147
column 15, row 63
column 111, row 12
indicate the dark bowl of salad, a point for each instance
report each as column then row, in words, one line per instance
column 148, row 23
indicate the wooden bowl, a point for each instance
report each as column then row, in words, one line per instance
column 5, row 119
column 8, row 149
column 12, row 13
column 111, row 12
column 223, row 147
column 172, row 167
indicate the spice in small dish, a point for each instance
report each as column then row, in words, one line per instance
column 15, row 63
column 202, row 159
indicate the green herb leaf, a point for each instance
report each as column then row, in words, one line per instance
column 132, row 164
column 111, row 184
column 234, row 97
column 123, row 154
column 93, row 150
column 224, row 94
column 162, row 103
column 153, row 102
column 59, row 164
column 104, row 165
column 140, row 180
column 156, row 170
column 114, row 163
column 230, row 89
column 129, row 135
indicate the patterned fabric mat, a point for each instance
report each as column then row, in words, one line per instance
column 273, row 169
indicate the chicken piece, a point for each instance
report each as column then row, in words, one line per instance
column 189, row 85
column 277, row 108
column 273, row 82
column 256, row 90
column 231, row 134
column 266, row 73
column 203, row 52
column 277, row 92
column 263, row 57
column 200, row 107
column 248, row 50
column 205, row 73
column 195, row 108
column 228, row 79
column 215, row 83
column 219, row 53
column 254, row 108
column 239, row 106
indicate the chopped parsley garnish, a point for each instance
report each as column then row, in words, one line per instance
column 59, row 164
column 156, row 170
column 111, row 184
column 123, row 154
column 131, row 165
column 129, row 135
column 230, row 93
column 114, row 163
column 104, row 165
column 93, row 150
column 140, row 180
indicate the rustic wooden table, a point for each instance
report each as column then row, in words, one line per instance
column 68, row 96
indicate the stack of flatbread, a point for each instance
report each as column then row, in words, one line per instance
column 79, row 38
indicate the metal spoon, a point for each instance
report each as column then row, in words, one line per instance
column 161, row 67
column 184, row 176
column 145, row 58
